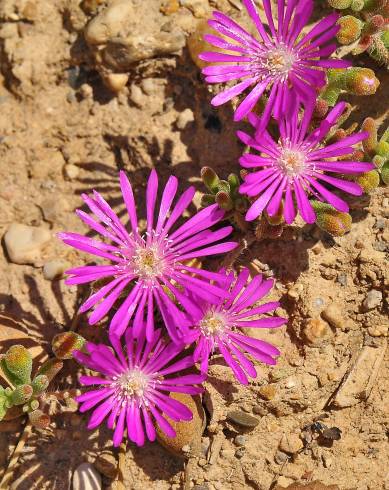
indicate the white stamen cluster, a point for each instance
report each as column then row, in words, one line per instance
column 131, row 385
column 213, row 323
column 292, row 161
column 276, row 62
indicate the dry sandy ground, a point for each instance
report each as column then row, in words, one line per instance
column 55, row 112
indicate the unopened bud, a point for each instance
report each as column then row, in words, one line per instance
column 224, row 201
column 361, row 81
column 330, row 220
column 370, row 143
column 17, row 364
column 368, row 180
column 350, row 29
column 65, row 343
column 210, row 179
column 382, row 149
column 21, row 394
column 39, row 384
column 340, row 4
column 385, row 173
column 357, row 5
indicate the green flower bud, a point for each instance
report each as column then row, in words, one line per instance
column 40, row 383
column 21, row 394
column 370, row 143
column 378, row 161
column 350, row 29
column 357, row 5
column 210, row 179
column 368, row 181
column 385, row 173
column 65, row 343
column 330, row 220
column 224, row 200
column 234, row 182
column 361, row 81
column 383, row 149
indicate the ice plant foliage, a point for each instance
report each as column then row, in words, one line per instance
column 217, row 327
column 145, row 267
column 281, row 60
column 298, row 165
column 132, row 389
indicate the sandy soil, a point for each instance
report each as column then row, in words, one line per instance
column 62, row 133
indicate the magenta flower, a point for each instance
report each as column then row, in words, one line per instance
column 286, row 63
column 132, row 390
column 217, row 327
column 148, row 266
column 297, row 165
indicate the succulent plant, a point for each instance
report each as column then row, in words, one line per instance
column 25, row 391
column 330, row 220
column 365, row 27
column 377, row 151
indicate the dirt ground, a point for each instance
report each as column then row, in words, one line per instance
column 62, row 133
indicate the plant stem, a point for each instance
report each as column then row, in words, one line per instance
column 4, row 485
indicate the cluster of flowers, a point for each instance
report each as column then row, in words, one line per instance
column 153, row 274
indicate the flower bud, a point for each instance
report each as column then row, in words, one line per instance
column 224, row 200
column 385, row 173
column 39, row 384
column 370, row 143
column 17, row 364
column 210, row 179
column 368, row 181
column 382, row 149
column 330, row 220
column 340, row 4
column 357, row 5
column 350, row 29
column 65, row 343
column 21, row 394
column 361, row 81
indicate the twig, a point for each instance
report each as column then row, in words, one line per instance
column 4, row 485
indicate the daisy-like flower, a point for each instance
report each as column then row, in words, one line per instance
column 147, row 270
column 299, row 165
column 217, row 327
column 283, row 61
column 133, row 386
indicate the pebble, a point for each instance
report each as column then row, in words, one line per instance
column 86, row 477
column 268, row 392
column 107, row 464
column 342, row 279
column 24, row 243
column 137, row 96
column 316, row 330
column 239, row 453
column 290, row 443
column 280, row 457
column 199, row 8
column 240, row 440
column 378, row 330
column 184, row 118
column 373, row 300
column 116, row 81
column 55, row 269
column 150, row 86
column 243, row 419
column 333, row 315
column 71, row 171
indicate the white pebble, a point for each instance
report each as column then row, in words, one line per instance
column 24, row 243
column 86, row 477
column 55, row 269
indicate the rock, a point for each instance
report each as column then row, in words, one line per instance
column 55, row 269
column 291, row 444
column 86, row 477
column 373, row 300
column 150, row 86
column 169, row 7
column 268, row 392
column 239, row 453
column 280, row 457
column 334, row 316
column 197, row 44
column 360, row 378
column 378, row 330
column 24, row 243
column 316, row 330
column 243, row 419
column 137, row 96
column 107, row 464
column 115, row 81
column 240, row 440
column 109, row 23
column 71, row 171
column 184, row 118
column 187, row 433
column 199, row 8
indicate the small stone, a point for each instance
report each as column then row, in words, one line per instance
column 71, row 171
column 342, row 279
column 290, row 443
column 378, row 330
column 280, row 457
column 86, row 477
column 24, row 243
column 199, row 8
column 169, row 7
column 373, row 300
column 259, row 410
column 243, row 419
column 283, row 482
column 239, row 453
column 149, row 86
column 137, row 96
column 268, row 392
column 55, row 269
column 107, row 464
column 316, row 331
column 240, row 440
column 184, row 118
column 116, row 82
column 333, row 315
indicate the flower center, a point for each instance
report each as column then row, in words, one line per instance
column 277, row 62
column 148, row 263
column 132, row 384
column 292, row 161
column 213, row 324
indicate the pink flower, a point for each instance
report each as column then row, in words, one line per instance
column 283, row 62
column 144, row 268
column 298, row 165
column 217, row 326
column 133, row 387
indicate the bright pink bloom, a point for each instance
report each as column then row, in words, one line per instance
column 298, row 165
column 134, row 385
column 145, row 265
column 217, row 327
column 288, row 65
